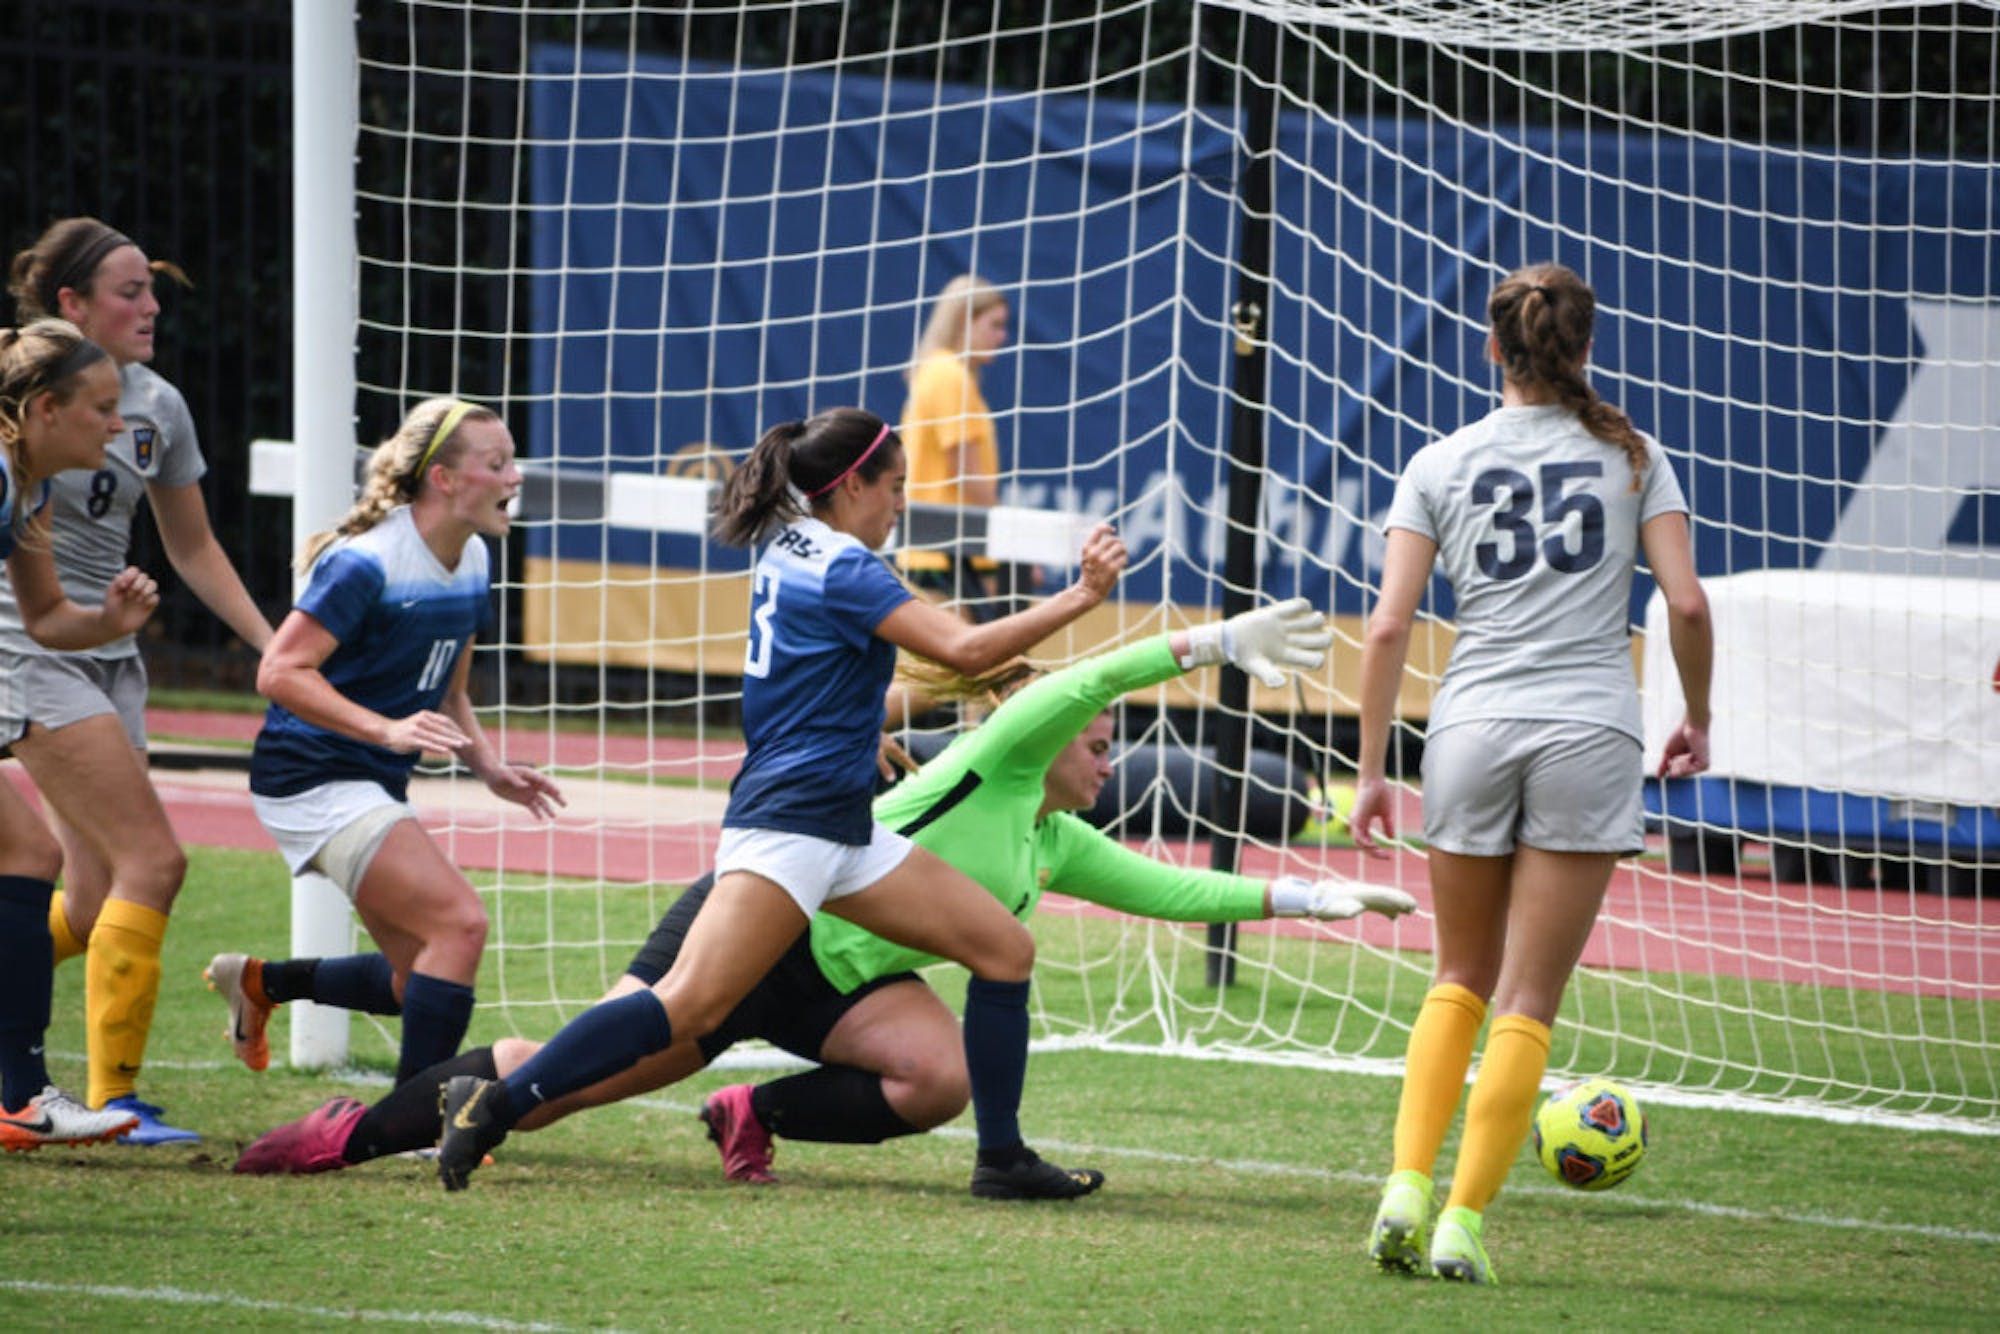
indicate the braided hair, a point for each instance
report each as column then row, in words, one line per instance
column 1542, row 318
column 430, row 435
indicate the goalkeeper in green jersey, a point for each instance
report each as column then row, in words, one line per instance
column 998, row 805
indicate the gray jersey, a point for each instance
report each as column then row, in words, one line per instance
column 92, row 512
column 1537, row 528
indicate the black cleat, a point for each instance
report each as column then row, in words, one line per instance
column 1029, row 1178
column 465, row 1103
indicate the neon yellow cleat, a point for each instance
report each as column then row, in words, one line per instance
column 1457, row 1254
column 1397, row 1243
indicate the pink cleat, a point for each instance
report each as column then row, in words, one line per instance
column 745, row 1144
column 313, row 1143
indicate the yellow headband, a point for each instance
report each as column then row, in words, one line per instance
column 446, row 425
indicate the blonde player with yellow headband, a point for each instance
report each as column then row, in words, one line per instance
column 367, row 672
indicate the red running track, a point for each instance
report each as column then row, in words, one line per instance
column 1742, row 925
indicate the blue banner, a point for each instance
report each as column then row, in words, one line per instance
column 715, row 251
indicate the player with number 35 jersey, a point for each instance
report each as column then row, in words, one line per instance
column 1536, row 514
column 1535, row 522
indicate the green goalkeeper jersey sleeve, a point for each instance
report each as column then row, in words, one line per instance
column 1075, row 859
column 975, row 806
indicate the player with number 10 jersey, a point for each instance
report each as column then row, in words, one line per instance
column 401, row 619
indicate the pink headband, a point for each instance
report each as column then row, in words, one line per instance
column 880, row 436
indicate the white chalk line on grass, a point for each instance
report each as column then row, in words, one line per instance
column 186, row 1297
column 753, row 1060
column 1258, row 1167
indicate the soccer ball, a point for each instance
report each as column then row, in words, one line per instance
column 1591, row 1134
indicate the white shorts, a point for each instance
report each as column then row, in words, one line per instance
column 1491, row 784
column 57, row 689
column 811, row 870
column 335, row 828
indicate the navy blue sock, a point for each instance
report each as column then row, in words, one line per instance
column 27, row 972
column 362, row 982
column 996, row 1058
column 605, row 1039
column 435, row 1016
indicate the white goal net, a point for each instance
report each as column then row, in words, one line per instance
column 1246, row 247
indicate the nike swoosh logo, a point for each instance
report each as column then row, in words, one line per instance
column 462, row 1122
column 44, row 1126
column 125, row 1069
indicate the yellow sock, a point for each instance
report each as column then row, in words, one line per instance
column 67, row 945
column 121, row 982
column 1434, row 1073
column 1498, row 1113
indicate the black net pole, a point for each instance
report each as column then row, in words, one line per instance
column 1245, row 463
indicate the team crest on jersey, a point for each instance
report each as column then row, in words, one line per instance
column 143, row 440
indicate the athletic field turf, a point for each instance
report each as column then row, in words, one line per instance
column 1238, row 1198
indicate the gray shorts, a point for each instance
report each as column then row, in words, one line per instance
column 57, row 689
column 1491, row 784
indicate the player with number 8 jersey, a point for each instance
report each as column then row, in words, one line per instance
column 84, row 713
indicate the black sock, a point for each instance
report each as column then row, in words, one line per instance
column 834, row 1104
column 289, row 979
column 408, row 1117
column 1005, row 1157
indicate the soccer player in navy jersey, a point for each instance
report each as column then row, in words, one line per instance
column 998, row 804
column 819, row 497
column 367, row 672
column 58, row 411
column 1531, row 767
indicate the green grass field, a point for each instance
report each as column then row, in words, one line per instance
column 1238, row 1196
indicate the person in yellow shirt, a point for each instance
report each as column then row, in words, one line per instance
column 947, row 432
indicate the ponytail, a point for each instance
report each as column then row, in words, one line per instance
column 795, row 467
column 429, row 436
column 1542, row 317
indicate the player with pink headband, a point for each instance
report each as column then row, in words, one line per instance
column 820, row 497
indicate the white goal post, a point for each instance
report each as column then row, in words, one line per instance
column 645, row 232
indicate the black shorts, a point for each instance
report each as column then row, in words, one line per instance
column 793, row 1007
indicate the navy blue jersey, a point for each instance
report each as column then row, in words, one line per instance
column 814, row 677
column 402, row 620
column 13, row 514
